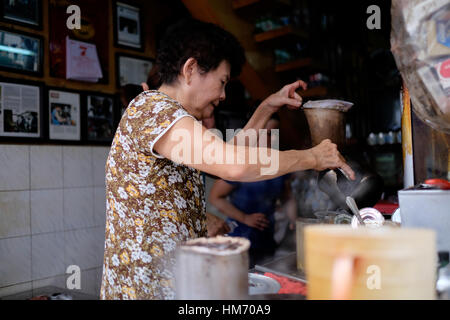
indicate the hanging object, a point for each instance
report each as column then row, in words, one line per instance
column 420, row 43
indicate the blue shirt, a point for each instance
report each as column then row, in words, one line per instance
column 257, row 197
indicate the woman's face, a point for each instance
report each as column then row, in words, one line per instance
column 208, row 89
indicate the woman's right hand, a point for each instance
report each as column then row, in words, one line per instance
column 285, row 96
column 327, row 156
column 256, row 220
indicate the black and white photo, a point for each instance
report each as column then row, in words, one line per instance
column 20, row 107
column 132, row 69
column 128, row 31
column 100, row 117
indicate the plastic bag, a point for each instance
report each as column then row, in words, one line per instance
column 420, row 43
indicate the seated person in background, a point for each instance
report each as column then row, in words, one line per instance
column 127, row 93
column 250, row 206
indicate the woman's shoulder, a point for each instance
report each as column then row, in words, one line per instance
column 156, row 102
column 154, row 97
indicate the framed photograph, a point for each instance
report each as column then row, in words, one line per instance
column 132, row 69
column 100, row 116
column 20, row 108
column 64, row 114
column 21, row 52
column 23, row 12
column 128, row 26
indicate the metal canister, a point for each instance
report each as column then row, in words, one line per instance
column 372, row 218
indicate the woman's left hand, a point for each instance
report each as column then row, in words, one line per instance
column 216, row 226
column 286, row 96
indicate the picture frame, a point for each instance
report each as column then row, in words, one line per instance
column 131, row 69
column 100, row 117
column 128, row 25
column 93, row 30
column 20, row 12
column 64, row 115
column 21, row 52
column 21, row 110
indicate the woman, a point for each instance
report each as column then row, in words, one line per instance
column 154, row 191
column 250, row 207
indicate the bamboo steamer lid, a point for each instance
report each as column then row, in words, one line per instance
column 403, row 258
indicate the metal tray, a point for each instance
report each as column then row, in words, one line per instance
column 259, row 284
column 285, row 266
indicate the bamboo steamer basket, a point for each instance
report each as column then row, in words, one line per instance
column 364, row 264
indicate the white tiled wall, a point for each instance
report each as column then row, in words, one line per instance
column 52, row 215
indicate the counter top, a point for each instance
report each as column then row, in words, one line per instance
column 285, row 266
column 48, row 291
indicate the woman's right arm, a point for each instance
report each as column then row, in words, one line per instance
column 218, row 198
column 190, row 143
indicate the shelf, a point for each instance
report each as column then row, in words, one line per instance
column 279, row 34
column 292, row 65
column 319, row 91
column 239, row 4
column 251, row 9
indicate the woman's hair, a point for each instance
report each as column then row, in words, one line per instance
column 207, row 43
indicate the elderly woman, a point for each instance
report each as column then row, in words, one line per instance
column 154, row 191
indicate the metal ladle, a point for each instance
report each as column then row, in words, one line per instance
column 352, row 205
column 328, row 184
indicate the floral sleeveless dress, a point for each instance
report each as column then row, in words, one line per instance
column 152, row 203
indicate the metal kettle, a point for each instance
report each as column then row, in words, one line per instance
column 366, row 189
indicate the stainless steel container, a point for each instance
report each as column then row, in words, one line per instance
column 428, row 208
column 212, row 268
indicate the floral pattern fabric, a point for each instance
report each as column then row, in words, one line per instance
column 152, row 203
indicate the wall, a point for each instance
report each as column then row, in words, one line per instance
column 150, row 20
column 257, row 75
column 52, row 197
column 52, row 209
column 261, row 58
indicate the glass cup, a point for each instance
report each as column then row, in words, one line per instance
column 301, row 223
column 326, row 216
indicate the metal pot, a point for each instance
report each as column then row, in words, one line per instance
column 366, row 189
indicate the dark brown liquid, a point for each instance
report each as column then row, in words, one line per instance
column 227, row 245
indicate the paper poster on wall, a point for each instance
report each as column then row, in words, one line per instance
column 19, row 110
column 64, row 115
column 93, row 30
column 82, row 61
